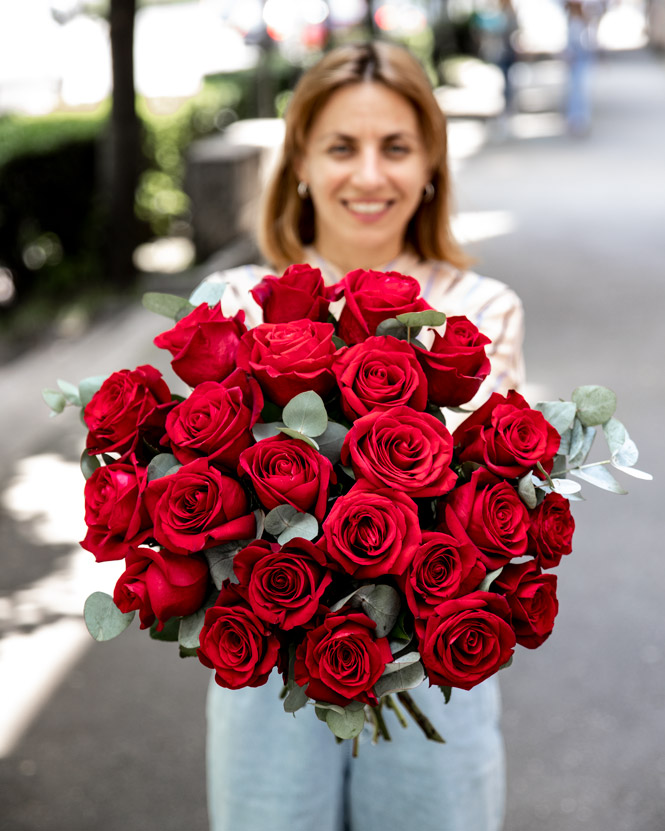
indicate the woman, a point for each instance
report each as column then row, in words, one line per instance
column 363, row 183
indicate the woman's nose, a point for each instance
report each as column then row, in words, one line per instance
column 369, row 171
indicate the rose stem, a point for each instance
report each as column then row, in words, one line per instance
column 390, row 703
column 355, row 747
column 419, row 717
column 381, row 724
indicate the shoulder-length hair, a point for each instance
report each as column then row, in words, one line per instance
column 287, row 221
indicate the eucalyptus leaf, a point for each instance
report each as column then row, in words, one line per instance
column 339, row 343
column 102, row 617
column 286, row 522
column 404, row 678
column 262, row 431
column 600, row 476
column 331, row 440
column 392, row 327
column 447, row 693
column 490, row 577
column 429, row 317
column 527, row 491
column 402, row 661
column 381, row 603
column 89, row 464
column 89, row 386
column 161, row 465
column 209, row 291
column 622, row 447
column 168, row 305
column 564, row 487
column 306, row 413
column 581, row 441
column 71, row 392
column 168, row 631
column 55, row 400
column 347, row 725
column 186, row 652
column 325, row 706
column 560, row 414
column 295, row 698
column 296, row 434
column 595, row 404
column 220, row 561
column 190, row 629
column 633, row 471
column 564, row 444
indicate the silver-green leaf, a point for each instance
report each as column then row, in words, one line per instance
column 103, row 618
column 209, row 291
column 296, row 434
column 406, row 677
column 168, row 305
column 527, row 491
column 600, row 476
column 306, row 413
column 380, row 603
column 595, row 404
column 560, row 414
column 429, row 317
column 347, row 725
column 286, row 522
column 89, row 464
column 71, row 392
column 190, row 629
column 162, row 465
column 89, row 386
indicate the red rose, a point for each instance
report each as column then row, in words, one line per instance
column 402, row 449
column 161, row 585
column 551, row 530
column 531, row 596
column 204, row 344
column 380, row 373
column 492, row 514
column 466, row 640
column 374, row 296
column 114, row 514
column 216, row 420
column 456, row 363
column 119, row 414
column 444, row 566
column 288, row 471
column 299, row 293
column 507, row 437
column 341, row 660
column 198, row 507
column 289, row 358
column 283, row 585
column 236, row 643
column 371, row 532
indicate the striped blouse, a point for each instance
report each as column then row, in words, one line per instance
column 494, row 308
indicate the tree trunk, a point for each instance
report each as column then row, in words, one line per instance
column 124, row 149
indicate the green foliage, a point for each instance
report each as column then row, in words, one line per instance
column 103, row 618
column 286, row 522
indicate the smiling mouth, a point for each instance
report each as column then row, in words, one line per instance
column 368, row 208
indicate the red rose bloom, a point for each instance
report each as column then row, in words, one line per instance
column 341, row 660
column 283, row 585
column 380, row 373
column 466, row 640
column 371, row 532
column 289, row 358
column 204, row 344
column 402, row 449
column 492, row 514
column 216, row 420
column 198, row 507
column 551, row 530
column 372, row 297
column 531, row 596
column 299, row 293
column 161, row 585
column 114, row 514
column 236, row 643
column 507, row 437
column 288, row 471
column 456, row 363
column 443, row 566
column 119, row 414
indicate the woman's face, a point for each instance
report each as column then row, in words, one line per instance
column 366, row 166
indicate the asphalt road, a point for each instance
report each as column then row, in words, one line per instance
column 112, row 736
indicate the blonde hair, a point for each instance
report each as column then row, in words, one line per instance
column 287, row 221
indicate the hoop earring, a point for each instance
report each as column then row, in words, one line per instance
column 303, row 190
column 428, row 193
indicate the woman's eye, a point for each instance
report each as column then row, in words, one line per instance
column 339, row 150
column 397, row 150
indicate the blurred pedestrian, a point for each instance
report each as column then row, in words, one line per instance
column 579, row 55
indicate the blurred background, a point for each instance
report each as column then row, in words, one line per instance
column 135, row 139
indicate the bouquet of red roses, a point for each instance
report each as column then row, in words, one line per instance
column 305, row 509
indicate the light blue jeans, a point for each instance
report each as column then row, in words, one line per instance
column 269, row 771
